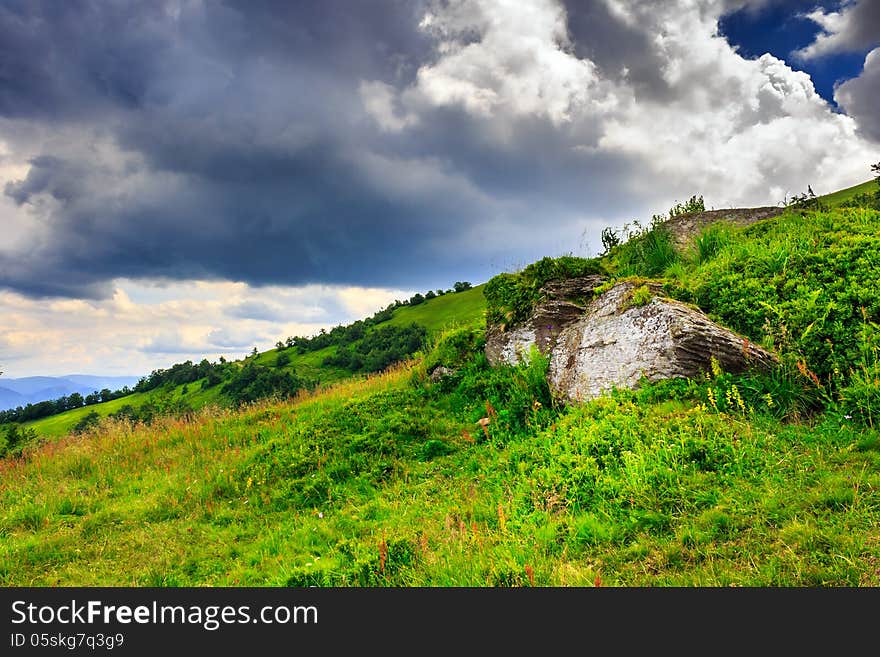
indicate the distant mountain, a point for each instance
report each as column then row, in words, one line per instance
column 100, row 382
column 10, row 399
column 33, row 389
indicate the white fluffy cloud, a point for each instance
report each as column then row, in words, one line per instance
column 739, row 131
column 143, row 327
column 854, row 28
column 520, row 65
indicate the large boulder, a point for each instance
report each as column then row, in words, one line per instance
column 562, row 303
column 632, row 332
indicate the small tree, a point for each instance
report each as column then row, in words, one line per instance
column 694, row 204
column 610, row 239
column 461, row 286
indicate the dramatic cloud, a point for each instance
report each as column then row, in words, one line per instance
column 384, row 145
column 855, row 27
column 859, row 96
column 388, row 143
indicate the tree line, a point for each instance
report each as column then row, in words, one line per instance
column 35, row 411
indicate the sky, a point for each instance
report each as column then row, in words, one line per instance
column 185, row 179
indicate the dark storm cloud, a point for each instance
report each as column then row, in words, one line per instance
column 597, row 34
column 240, row 141
column 859, row 97
column 244, row 124
column 241, row 149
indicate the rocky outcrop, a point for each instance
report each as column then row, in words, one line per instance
column 622, row 337
column 685, row 227
column 563, row 302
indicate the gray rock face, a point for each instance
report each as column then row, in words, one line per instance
column 614, row 343
column 563, row 303
column 685, row 227
column 439, row 373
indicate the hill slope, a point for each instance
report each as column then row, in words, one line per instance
column 480, row 479
column 435, row 314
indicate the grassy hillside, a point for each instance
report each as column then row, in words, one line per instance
column 434, row 314
column 442, row 312
column 392, row 479
column 834, row 200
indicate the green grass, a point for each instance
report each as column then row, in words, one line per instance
column 374, row 483
column 442, row 312
column 458, row 308
column 835, row 199
column 392, row 480
column 62, row 423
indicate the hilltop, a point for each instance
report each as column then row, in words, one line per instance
column 188, row 387
column 478, row 476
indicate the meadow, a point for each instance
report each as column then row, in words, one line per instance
column 482, row 479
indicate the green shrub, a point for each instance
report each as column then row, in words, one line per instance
column 253, row 382
column 802, row 285
column 647, row 254
column 712, row 239
column 454, row 347
column 89, row 420
column 640, row 296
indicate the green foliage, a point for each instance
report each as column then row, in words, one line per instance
column 640, row 296
column 515, row 400
column 610, row 239
column 710, row 241
column 648, row 253
column 693, row 204
column 863, row 200
column 511, row 297
column 15, row 437
column 455, row 347
column 91, row 419
column 253, row 382
column 860, row 397
column 282, row 359
column 380, row 348
column 802, row 285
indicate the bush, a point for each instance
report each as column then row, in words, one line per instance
column 88, row 421
column 455, row 347
column 379, row 348
column 253, row 382
column 15, row 438
column 806, row 286
column 711, row 240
